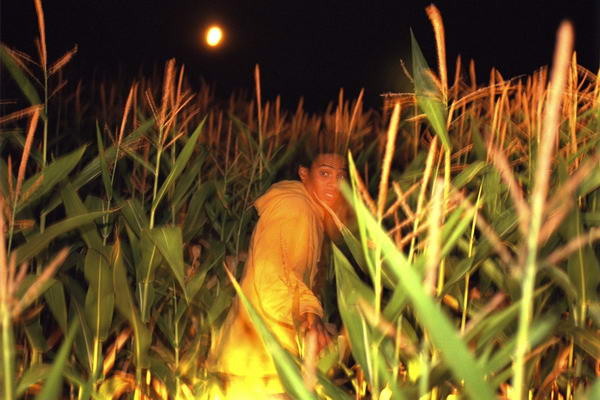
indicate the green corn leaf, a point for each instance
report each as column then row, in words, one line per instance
column 331, row 390
column 169, row 242
column 83, row 348
column 149, row 260
column 100, row 297
column 53, row 386
column 583, row 267
column 217, row 306
column 350, row 291
column 355, row 248
column 591, row 218
column 538, row 331
column 21, row 78
column 464, row 266
column 248, row 139
column 188, row 179
column 55, row 297
column 26, row 284
column 395, row 305
column 197, row 281
column 35, row 335
column 136, row 157
column 196, row 210
column 180, row 164
column 36, row 373
column 453, row 350
column 40, row 241
column 286, row 157
column 428, row 95
column 287, row 367
column 479, row 146
column 490, row 328
column 587, row 340
column 562, row 280
column 53, row 174
column 455, row 226
column 93, row 169
column 594, row 391
column 4, row 178
column 39, row 373
column 135, row 216
column 74, row 207
column 590, row 183
column 125, row 305
column 468, row 174
column 103, row 164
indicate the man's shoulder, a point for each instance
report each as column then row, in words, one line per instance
column 285, row 195
column 291, row 193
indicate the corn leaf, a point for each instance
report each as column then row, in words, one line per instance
column 196, row 210
column 350, row 291
column 53, row 386
column 149, row 260
column 125, row 305
column 40, row 241
column 168, row 241
column 180, row 164
column 453, row 350
column 538, row 331
column 93, row 169
column 36, row 373
column 587, row 340
column 594, row 391
column 428, row 95
column 51, row 175
column 100, row 297
column 19, row 76
column 583, row 267
column 74, row 207
column 188, row 179
column 135, row 216
column 55, row 297
column 83, row 348
column 103, row 164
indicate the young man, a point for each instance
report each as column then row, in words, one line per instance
column 278, row 279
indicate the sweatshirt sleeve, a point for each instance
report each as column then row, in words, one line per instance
column 284, row 254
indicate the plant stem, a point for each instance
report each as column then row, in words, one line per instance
column 155, row 187
column 8, row 355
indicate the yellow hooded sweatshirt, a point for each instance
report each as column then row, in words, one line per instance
column 278, row 277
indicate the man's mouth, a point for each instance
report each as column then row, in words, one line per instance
column 329, row 195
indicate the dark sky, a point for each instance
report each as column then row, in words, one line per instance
column 305, row 48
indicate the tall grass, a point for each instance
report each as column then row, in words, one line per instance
column 473, row 269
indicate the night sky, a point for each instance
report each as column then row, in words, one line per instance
column 304, row 48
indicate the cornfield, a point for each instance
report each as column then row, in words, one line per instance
column 473, row 270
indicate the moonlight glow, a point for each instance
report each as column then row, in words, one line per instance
column 214, row 36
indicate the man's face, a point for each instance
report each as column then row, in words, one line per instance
column 323, row 178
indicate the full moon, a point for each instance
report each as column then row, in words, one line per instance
column 214, row 36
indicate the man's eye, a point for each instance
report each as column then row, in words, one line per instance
column 324, row 173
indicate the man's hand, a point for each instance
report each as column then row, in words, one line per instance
column 311, row 323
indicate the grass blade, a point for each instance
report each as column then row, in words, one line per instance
column 53, row 386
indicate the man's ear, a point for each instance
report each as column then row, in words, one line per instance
column 303, row 173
